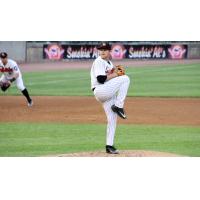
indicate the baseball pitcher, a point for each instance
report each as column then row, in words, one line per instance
column 110, row 86
column 11, row 73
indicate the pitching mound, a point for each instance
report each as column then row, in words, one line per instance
column 125, row 153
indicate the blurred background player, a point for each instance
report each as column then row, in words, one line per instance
column 110, row 89
column 11, row 73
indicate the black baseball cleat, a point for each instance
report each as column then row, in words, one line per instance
column 111, row 150
column 119, row 111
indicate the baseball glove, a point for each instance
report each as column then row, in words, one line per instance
column 120, row 70
column 4, row 85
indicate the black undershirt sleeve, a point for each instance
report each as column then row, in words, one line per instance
column 101, row 79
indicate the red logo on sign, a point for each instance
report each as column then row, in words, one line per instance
column 54, row 52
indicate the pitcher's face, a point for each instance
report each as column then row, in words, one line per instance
column 105, row 54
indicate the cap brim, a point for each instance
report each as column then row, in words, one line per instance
column 104, row 48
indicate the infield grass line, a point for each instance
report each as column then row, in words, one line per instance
column 37, row 139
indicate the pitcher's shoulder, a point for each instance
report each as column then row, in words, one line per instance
column 99, row 60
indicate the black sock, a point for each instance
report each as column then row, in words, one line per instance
column 26, row 94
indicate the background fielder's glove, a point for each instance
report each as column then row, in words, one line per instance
column 120, row 70
column 4, row 85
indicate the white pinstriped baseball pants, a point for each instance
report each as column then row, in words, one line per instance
column 112, row 92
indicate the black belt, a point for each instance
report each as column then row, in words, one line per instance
column 93, row 89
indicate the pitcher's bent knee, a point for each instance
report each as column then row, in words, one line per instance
column 124, row 78
column 127, row 78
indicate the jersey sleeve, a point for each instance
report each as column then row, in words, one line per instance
column 1, row 66
column 14, row 67
column 99, row 68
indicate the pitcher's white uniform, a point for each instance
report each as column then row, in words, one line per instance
column 112, row 92
column 9, row 70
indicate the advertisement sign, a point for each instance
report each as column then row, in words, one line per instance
column 156, row 52
column 57, row 52
column 53, row 52
column 177, row 51
column 80, row 52
column 147, row 52
column 118, row 51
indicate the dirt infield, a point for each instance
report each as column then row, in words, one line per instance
column 75, row 110
column 127, row 153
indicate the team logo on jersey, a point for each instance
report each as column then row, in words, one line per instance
column 3, row 69
column 109, row 71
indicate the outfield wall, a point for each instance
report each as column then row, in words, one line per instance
column 15, row 49
column 194, row 51
column 32, row 52
column 36, row 51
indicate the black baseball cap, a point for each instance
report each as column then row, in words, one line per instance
column 104, row 46
column 3, row 55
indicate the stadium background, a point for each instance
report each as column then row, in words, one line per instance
column 33, row 51
column 163, row 102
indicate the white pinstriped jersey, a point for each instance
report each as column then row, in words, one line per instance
column 9, row 69
column 112, row 92
column 99, row 67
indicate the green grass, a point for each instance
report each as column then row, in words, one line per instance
column 165, row 81
column 24, row 139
